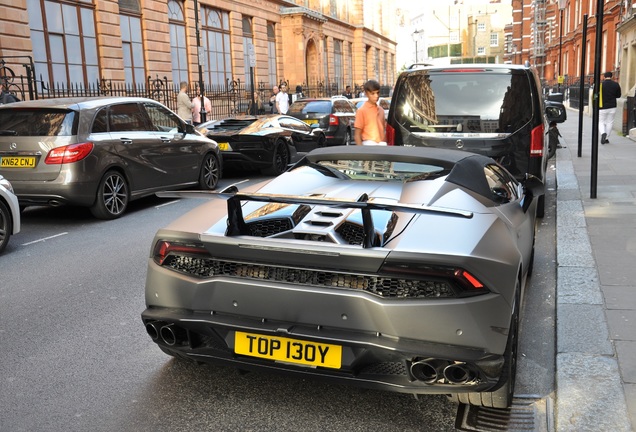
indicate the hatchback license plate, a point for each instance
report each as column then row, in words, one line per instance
column 224, row 146
column 288, row 350
column 310, row 122
column 17, row 162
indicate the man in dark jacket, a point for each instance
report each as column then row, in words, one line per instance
column 5, row 96
column 609, row 91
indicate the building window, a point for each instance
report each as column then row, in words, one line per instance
column 481, row 26
column 132, row 45
column 64, row 42
column 454, row 37
column 178, row 51
column 494, row 39
column 481, row 51
column 350, row 57
column 247, row 39
column 271, row 54
column 386, row 68
column 215, row 41
column 337, row 62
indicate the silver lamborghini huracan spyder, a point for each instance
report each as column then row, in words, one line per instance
column 393, row 268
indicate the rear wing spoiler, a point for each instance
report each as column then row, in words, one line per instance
column 238, row 226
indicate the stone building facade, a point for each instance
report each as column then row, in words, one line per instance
column 304, row 42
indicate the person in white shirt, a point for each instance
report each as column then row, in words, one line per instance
column 282, row 100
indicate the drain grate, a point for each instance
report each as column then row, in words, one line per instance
column 524, row 415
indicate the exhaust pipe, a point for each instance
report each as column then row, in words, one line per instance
column 152, row 328
column 172, row 335
column 427, row 370
column 458, row 373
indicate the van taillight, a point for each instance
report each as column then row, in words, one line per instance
column 390, row 135
column 333, row 120
column 536, row 142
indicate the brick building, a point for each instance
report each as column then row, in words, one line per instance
column 304, row 42
column 551, row 39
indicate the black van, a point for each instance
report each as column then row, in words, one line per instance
column 492, row 109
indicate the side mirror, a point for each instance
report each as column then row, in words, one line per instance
column 189, row 129
column 555, row 112
column 532, row 187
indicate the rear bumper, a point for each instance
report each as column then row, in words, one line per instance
column 368, row 360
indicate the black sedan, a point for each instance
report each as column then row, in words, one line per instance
column 269, row 143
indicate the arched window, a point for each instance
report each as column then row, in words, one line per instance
column 64, row 42
column 178, row 52
column 215, row 40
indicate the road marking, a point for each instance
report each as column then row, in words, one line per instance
column 44, row 239
column 167, row 204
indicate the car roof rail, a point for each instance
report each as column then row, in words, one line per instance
column 414, row 65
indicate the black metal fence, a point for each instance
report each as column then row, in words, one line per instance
column 231, row 98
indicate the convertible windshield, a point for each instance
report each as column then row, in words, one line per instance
column 384, row 170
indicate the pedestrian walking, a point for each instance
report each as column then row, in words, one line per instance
column 196, row 109
column 255, row 108
column 184, row 104
column 370, row 124
column 272, row 99
column 609, row 91
column 282, row 100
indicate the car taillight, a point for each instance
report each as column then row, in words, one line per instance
column 390, row 135
column 333, row 120
column 165, row 248
column 536, row 142
column 68, row 154
column 460, row 281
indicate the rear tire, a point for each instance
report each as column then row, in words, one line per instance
column 210, row 172
column 502, row 396
column 347, row 138
column 280, row 159
column 112, row 196
column 6, row 225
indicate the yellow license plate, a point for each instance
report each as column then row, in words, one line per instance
column 224, row 146
column 288, row 350
column 17, row 162
column 310, row 122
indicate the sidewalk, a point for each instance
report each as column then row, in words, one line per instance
column 596, row 283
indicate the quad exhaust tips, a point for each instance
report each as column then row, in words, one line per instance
column 169, row 334
column 431, row 371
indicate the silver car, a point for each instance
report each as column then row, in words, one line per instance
column 388, row 267
column 101, row 152
column 9, row 213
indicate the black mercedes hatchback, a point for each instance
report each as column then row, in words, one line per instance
column 492, row 109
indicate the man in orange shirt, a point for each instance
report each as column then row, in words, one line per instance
column 370, row 125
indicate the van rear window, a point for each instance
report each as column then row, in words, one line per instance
column 38, row 122
column 467, row 101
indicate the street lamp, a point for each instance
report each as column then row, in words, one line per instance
column 416, row 37
column 562, row 4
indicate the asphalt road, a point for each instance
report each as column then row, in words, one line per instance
column 74, row 355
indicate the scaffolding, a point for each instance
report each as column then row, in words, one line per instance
column 538, row 35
